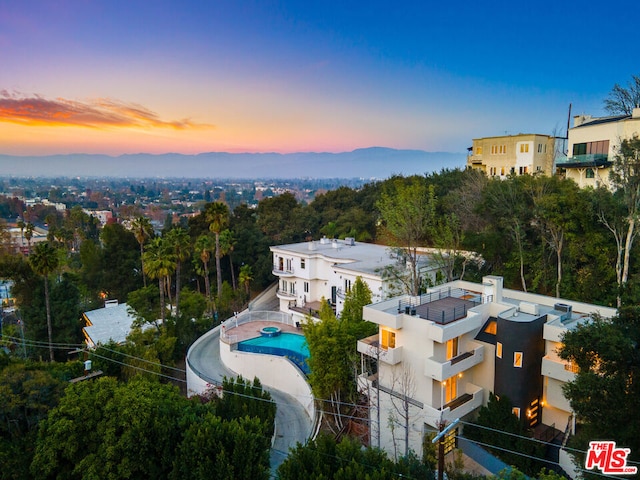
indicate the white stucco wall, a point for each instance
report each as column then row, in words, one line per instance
column 273, row 371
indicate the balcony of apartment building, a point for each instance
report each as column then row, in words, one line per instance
column 441, row 370
column 307, row 309
column 457, row 407
column 386, row 351
column 558, row 369
column 283, row 268
column 285, row 294
column 593, row 160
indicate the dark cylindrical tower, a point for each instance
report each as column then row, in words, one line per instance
column 519, row 352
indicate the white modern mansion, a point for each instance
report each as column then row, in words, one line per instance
column 310, row 271
column 441, row 354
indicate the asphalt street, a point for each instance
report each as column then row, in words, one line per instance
column 293, row 424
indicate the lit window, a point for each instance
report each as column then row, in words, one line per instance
column 479, row 150
column 492, row 327
column 503, row 149
column 388, row 339
column 502, row 171
column 494, row 149
column 452, row 348
column 516, row 411
column 498, row 349
column 524, row 148
column 517, row 359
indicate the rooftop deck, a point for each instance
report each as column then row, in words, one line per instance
column 442, row 306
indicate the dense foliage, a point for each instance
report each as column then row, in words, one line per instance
column 607, row 354
column 143, row 429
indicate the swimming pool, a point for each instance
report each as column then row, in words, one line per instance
column 289, row 345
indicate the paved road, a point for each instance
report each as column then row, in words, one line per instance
column 293, row 424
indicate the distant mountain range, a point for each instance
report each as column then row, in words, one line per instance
column 375, row 162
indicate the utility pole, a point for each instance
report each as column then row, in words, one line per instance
column 442, row 432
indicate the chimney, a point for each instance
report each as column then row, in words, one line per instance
column 580, row 119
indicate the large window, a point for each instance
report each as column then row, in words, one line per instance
column 600, row 147
column 450, row 387
column 388, row 339
column 498, row 349
column 306, row 287
column 452, row 348
column 524, row 148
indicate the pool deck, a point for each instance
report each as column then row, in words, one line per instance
column 252, row 329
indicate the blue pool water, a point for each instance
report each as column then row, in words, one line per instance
column 289, row 345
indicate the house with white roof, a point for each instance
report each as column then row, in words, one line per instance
column 310, row 271
column 113, row 322
column 438, row 356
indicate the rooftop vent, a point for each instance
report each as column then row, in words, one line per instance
column 565, row 311
column 324, row 240
column 350, row 241
column 110, row 303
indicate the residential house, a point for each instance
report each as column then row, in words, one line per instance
column 326, row 269
column 111, row 323
column 593, row 145
column 439, row 356
column 513, row 155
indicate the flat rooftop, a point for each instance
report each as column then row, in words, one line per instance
column 357, row 256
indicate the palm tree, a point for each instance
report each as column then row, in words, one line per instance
column 180, row 243
column 44, row 261
column 227, row 243
column 142, row 229
column 217, row 214
column 203, row 248
column 159, row 264
column 245, row 277
column 21, row 226
column 28, row 234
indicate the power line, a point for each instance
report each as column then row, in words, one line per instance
column 544, row 460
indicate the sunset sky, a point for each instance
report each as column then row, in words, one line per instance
column 284, row 76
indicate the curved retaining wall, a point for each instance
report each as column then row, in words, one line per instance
column 273, row 371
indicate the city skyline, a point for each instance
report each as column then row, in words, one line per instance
column 190, row 77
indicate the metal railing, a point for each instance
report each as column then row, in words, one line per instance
column 249, row 316
column 282, row 269
column 442, row 315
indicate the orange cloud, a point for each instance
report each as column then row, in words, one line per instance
column 39, row 111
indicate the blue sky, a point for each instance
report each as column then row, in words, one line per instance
column 194, row 76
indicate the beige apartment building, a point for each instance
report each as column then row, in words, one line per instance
column 593, row 145
column 525, row 153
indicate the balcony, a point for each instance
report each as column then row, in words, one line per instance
column 285, row 295
column 282, row 271
column 440, row 371
column 586, row 160
column 340, row 293
column 554, row 367
column 460, row 406
column 370, row 346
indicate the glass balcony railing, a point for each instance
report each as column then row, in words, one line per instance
column 588, row 159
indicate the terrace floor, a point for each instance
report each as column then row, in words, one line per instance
column 444, row 308
column 252, row 329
